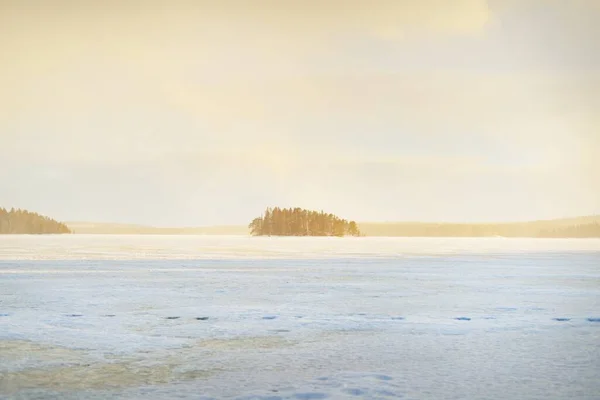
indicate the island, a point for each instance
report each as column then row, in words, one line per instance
column 300, row 222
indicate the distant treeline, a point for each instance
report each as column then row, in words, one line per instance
column 22, row 221
column 566, row 228
column 98, row 228
column 299, row 222
column 591, row 230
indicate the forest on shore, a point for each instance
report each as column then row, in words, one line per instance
column 578, row 227
column 300, row 222
column 17, row 221
column 591, row 230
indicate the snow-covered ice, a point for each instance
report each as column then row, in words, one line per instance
column 298, row 318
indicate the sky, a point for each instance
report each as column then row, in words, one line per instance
column 190, row 113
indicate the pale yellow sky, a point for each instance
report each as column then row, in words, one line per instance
column 205, row 112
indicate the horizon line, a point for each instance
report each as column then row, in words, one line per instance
column 358, row 222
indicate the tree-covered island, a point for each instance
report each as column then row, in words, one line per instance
column 299, row 222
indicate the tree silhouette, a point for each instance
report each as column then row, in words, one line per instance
column 17, row 221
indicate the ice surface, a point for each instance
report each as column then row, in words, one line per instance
column 298, row 318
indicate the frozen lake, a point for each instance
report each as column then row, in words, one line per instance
column 203, row 317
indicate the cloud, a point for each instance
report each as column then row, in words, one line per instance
column 174, row 37
column 306, row 17
column 312, row 102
